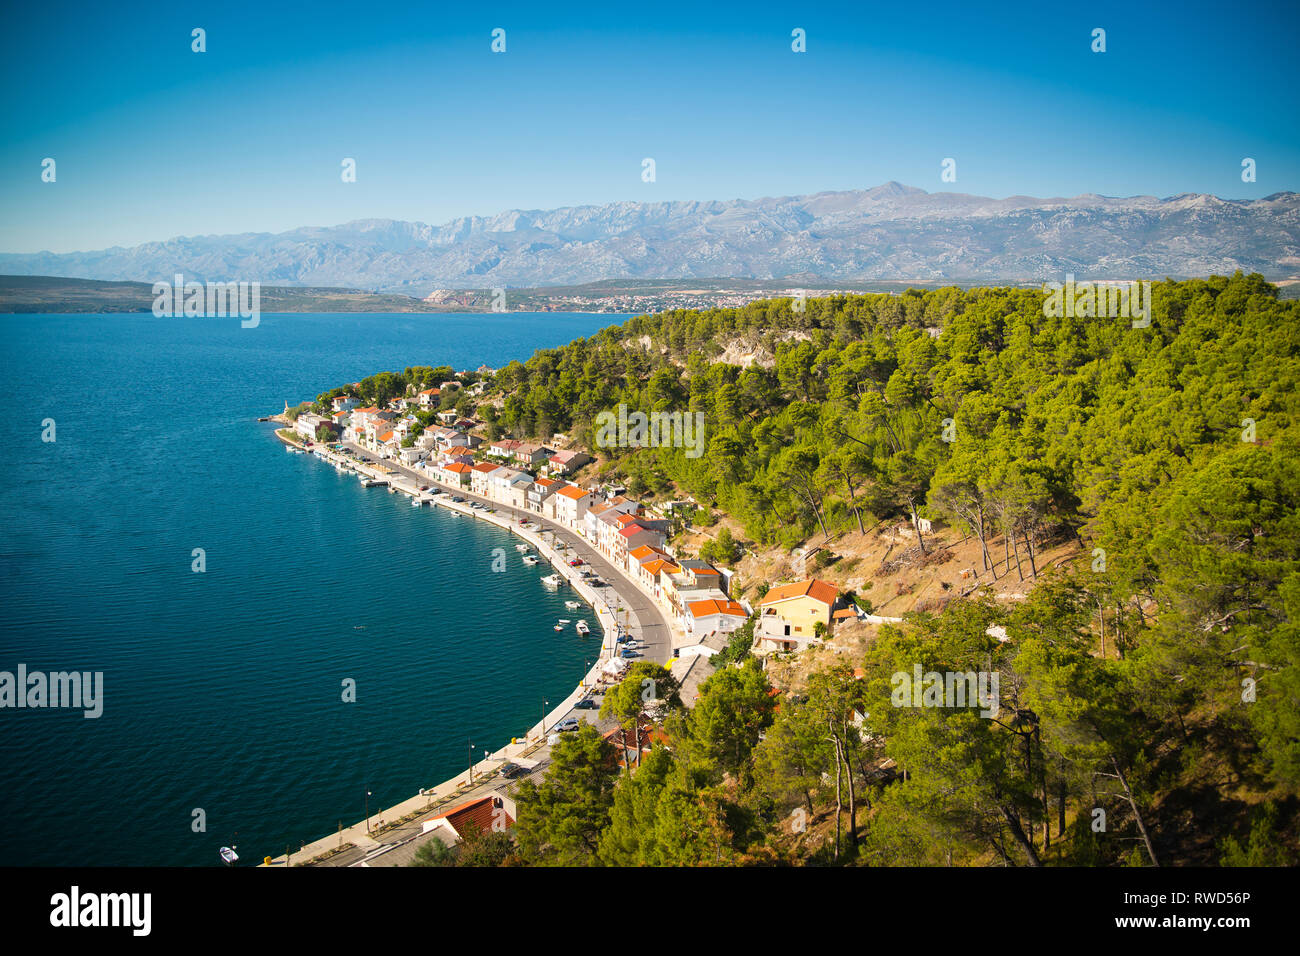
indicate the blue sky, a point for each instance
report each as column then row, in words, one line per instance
column 154, row 141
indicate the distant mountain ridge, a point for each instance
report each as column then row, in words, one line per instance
column 892, row 232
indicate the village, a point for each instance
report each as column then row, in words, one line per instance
column 694, row 595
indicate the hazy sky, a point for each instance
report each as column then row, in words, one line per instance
column 153, row 141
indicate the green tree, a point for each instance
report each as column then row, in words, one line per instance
column 561, row 820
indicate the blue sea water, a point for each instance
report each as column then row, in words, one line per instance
column 223, row 689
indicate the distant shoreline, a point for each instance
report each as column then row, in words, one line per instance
column 53, row 295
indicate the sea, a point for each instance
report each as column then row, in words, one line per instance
column 234, row 596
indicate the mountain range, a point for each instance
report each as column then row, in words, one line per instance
column 892, row 232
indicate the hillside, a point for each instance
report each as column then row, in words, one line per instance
column 1096, row 517
column 1136, row 493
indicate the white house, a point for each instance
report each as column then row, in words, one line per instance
column 571, row 504
column 714, row 616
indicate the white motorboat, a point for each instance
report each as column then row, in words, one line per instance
column 565, row 620
column 531, row 559
column 229, row 856
column 554, row 580
column 559, row 627
column 573, row 605
column 582, row 628
column 521, row 547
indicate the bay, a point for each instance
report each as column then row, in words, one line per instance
column 223, row 689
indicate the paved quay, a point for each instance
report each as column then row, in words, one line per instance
column 389, row 836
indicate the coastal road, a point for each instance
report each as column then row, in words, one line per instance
column 624, row 599
column 645, row 619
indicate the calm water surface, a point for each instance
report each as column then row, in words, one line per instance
column 222, row 690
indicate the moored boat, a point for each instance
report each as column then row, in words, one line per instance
column 582, row 628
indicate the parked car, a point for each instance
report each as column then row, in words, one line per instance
column 568, row 723
column 586, row 704
column 512, row 770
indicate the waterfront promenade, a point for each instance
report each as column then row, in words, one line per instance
column 618, row 602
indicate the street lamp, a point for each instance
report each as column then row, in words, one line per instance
column 470, row 751
column 367, row 811
column 545, row 704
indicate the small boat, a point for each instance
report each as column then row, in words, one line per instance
column 565, row 620
column 531, row 559
column 554, row 580
column 573, row 605
column 229, row 856
column 559, row 627
column 582, row 628
column 521, row 547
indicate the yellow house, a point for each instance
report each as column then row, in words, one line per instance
column 802, row 604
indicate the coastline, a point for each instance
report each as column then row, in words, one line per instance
column 361, row 835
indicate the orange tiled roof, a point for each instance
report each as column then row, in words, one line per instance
column 813, row 588
column 713, row 606
column 572, row 491
column 476, row 813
